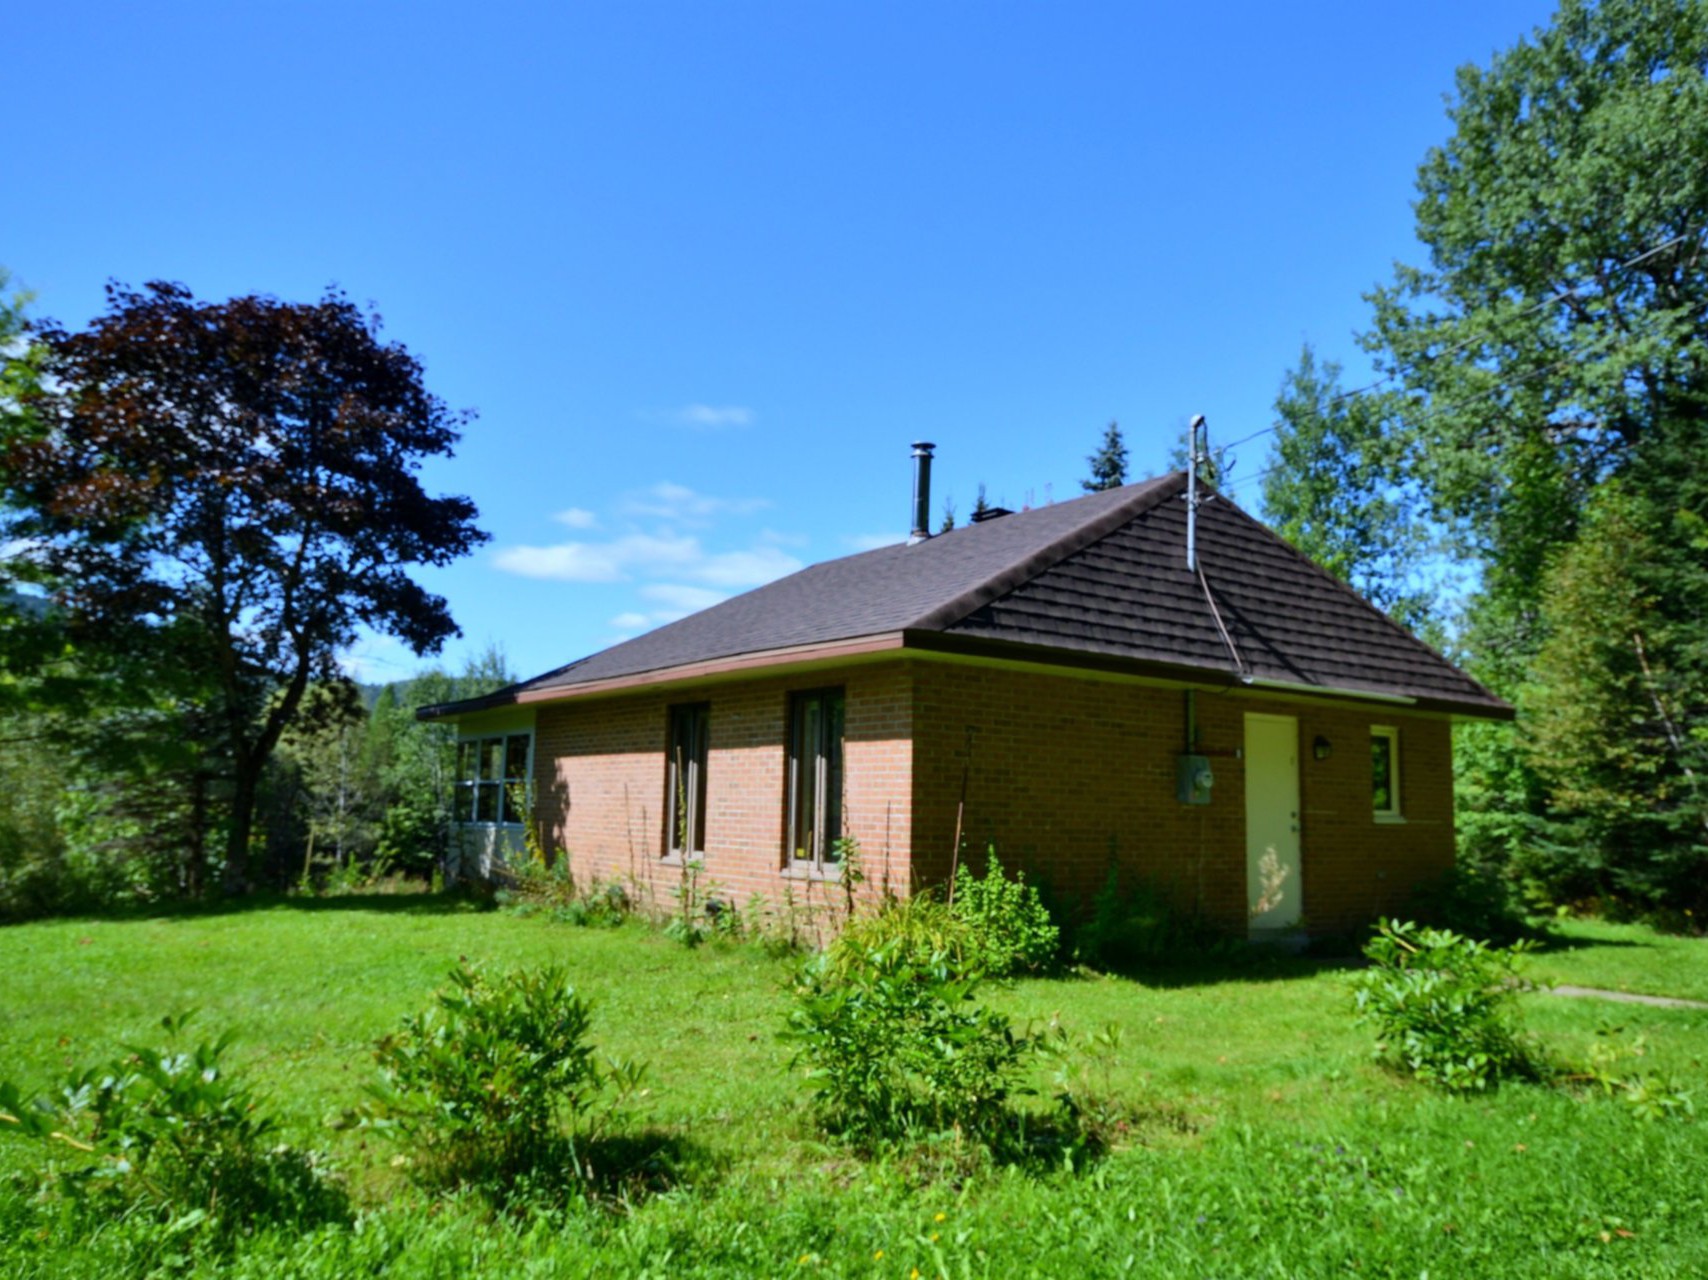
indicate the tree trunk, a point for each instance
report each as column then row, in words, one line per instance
column 246, row 781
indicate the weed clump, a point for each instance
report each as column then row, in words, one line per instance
column 497, row 1082
column 896, row 1043
column 1008, row 928
column 172, row 1137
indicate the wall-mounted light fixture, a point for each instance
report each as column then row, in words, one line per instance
column 1322, row 748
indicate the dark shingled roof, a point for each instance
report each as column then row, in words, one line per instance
column 1103, row 577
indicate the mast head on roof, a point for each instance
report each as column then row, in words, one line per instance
column 1194, row 429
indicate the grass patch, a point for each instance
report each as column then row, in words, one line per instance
column 1623, row 957
column 1258, row 1136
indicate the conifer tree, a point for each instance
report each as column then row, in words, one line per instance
column 1109, row 464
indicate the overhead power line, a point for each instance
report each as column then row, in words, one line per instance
column 1571, row 291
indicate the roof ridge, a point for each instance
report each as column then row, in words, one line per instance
column 1347, row 589
column 1148, row 494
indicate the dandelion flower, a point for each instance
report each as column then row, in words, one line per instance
column 940, row 1217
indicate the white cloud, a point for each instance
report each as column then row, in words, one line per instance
column 745, row 568
column 647, row 556
column 706, row 417
column 613, row 561
column 680, row 599
column 682, row 505
column 673, row 570
column 872, row 541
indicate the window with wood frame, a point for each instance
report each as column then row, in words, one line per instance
column 815, row 778
column 685, row 781
column 1385, row 771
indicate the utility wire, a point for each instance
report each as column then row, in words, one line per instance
column 1571, row 291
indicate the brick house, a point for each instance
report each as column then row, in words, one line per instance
column 1252, row 737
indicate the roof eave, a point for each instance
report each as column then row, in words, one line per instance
column 926, row 641
column 768, row 661
column 1184, row 673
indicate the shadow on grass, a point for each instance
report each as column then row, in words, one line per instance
column 423, row 903
column 1547, row 941
column 623, row 1168
column 612, row 1172
column 1248, row 964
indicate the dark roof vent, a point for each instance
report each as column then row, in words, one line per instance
column 990, row 513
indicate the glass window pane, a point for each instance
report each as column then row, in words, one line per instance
column 508, row 798
column 697, row 779
column 491, row 759
column 1382, row 773
column 465, row 761
column 516, row 757
column 486, row 802
column 832, row 775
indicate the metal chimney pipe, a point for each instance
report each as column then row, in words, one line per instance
column 921, row 491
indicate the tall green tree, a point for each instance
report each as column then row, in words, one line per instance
column 230, row 488
column 1329, row 492
column 1552, row 345
column 1564, row 307
column 1109, row 464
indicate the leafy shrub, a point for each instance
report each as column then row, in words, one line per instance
column 1008, row 928
column 603, row 906
column 896, row 1043
column 1137, row 925
column 1444, row 1006
column 497, row 1080
column 175, row 1134
column 920, row 928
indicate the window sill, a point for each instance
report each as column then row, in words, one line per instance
column 676, row 859
column 810, row 872
column 1390, row 819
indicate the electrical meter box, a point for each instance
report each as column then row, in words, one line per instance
column 1193, row 779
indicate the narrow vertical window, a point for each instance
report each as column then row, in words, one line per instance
column 1385, row 771
column 685, row 781
column 815, row 777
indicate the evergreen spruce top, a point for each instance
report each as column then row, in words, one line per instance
column 1109, row 464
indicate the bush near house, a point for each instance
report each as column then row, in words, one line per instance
column 497, row 1081
column 1445, row 1006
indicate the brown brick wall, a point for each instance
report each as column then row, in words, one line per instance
column 1063, row 773
column 1060, row 772
column 600, row 779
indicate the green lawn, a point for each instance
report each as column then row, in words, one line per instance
column 1625, row 957
column 1271, row 1144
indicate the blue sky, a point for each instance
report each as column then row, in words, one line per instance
column 705, row 270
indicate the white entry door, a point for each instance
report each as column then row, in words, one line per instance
column 1272, row 821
